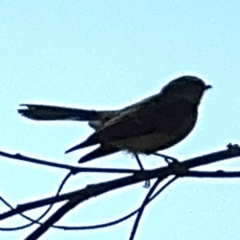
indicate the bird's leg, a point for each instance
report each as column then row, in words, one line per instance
column 167, row 159
column 139, row 161
column 147, row 182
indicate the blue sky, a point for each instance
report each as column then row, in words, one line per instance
column 105, row 55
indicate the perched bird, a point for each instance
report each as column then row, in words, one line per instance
column 153, row 124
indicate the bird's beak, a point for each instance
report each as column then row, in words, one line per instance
column 207, row 87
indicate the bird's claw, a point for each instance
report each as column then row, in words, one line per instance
column 167, row 159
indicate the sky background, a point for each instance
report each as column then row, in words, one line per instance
column 105, row 55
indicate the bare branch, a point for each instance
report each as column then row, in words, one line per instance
column 74, row 198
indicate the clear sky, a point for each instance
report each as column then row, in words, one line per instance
column 105, row 55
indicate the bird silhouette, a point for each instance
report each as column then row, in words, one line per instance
column 153, row 124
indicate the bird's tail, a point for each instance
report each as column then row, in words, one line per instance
column 49, row 113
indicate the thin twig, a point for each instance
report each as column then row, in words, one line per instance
column 73, row 169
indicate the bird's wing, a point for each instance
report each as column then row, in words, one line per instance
column 97, row 153
column 165, row 117
column 160, row 117
column 46, row 112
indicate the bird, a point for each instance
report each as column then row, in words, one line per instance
column 153, row 124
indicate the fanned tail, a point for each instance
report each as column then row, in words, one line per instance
column 49, row 113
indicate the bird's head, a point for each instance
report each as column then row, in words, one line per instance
column 188, row 87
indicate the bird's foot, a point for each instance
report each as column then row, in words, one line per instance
column 147, row 183
column 167, row 159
